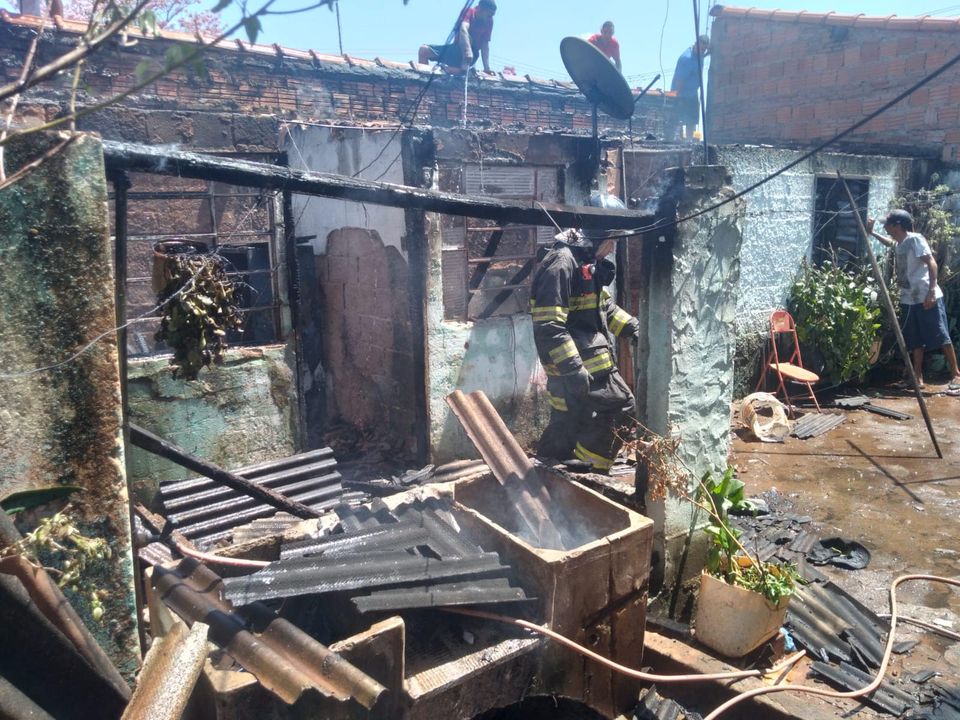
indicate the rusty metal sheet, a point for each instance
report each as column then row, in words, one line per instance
column 170, row 671
column 282, row 657
column 509, row 464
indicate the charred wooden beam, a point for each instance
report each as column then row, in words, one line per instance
column 146, row 440
column 180, row 163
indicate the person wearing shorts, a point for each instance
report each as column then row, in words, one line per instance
column 474, row 30
column 923, row 316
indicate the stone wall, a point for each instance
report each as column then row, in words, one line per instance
column 60, row 413
column 685, row 379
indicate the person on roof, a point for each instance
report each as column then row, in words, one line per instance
column 607, row 43
column 923, row 316
column 574, row 321
column 686, row 83
column 474, row 30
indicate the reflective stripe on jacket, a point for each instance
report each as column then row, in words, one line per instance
column 572, row 317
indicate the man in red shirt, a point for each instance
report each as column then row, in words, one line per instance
column 607, row 43
column 474, row 29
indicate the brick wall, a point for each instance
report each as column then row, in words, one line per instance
column 368, row 334
column 243, row 93
column 800, row 78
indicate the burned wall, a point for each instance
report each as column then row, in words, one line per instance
column 799, row 78
column 779, row 229
column 363, row 374
column 60, row 410
column 244, row 90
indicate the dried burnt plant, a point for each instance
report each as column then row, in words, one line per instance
column 658, row 453
column 199, row 306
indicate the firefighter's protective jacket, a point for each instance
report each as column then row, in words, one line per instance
column 573, row 317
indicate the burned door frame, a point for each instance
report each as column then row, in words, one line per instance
column 281, row 248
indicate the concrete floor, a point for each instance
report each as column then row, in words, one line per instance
column 878, row 481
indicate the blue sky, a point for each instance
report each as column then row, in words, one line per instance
column 527, row 33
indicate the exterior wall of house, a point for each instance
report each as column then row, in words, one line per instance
column 245, row 89
column 797, row 78
column 685, row 374
column 60, row 410
column 778, row 228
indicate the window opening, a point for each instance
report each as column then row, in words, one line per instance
column 836, row 233
column 240, row 223
column 487, row 267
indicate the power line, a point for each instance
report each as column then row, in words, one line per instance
column 806, row 156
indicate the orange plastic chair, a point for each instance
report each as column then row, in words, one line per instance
column 781, row 323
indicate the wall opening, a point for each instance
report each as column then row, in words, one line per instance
column 239, row 223
column 836, row 236
column 487, row 267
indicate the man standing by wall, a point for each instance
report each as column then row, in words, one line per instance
column 607, row 43
column 686, row 84
column 573, row 319
column 923, row 315
column 474, row 30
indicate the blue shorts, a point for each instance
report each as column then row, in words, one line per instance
column 925, row 328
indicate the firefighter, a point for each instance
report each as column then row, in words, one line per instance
column 574, row 321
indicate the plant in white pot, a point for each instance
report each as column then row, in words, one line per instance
column 742, row 601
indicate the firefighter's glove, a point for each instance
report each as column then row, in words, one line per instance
column 578, row 383
column 632, row 329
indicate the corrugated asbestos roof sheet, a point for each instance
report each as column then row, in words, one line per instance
column 205, row 512
column 860, row 20
column 282, row 657
column 410, row 557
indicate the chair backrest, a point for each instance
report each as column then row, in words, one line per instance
column 781, row 323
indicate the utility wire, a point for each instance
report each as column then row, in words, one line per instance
column 806, row 156
column 336, row 6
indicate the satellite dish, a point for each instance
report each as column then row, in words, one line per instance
column 597, row 78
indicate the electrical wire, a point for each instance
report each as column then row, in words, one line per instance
column 784, row 664
column 411, row 115
column 218, row 559
column 656, row 226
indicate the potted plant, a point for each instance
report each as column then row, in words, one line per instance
column 742, row 601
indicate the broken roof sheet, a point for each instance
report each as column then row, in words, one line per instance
column 860, row 20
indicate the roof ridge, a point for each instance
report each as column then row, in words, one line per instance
column 832, row 17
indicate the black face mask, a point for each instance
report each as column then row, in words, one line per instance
column 604, row 272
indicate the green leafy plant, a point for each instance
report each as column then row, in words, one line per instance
column 727, row 559
column 199, row 307
column 836, row 312
column 67, row 554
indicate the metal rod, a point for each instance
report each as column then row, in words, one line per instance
column 700, row 93
column 888, row 304
column 645, row 91
column 158, row 446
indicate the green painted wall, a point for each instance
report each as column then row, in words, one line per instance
column 62, row 424
column 239, row 413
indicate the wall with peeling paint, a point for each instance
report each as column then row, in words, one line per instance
column 238, row 413
column 778, row 229
column 62, row 425
column 687, row 376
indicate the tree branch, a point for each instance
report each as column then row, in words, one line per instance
column 74, row 56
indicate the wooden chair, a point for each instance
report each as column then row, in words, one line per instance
column 781, row 324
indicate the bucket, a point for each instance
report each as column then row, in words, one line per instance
column 733, row 620
column 163, row 252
